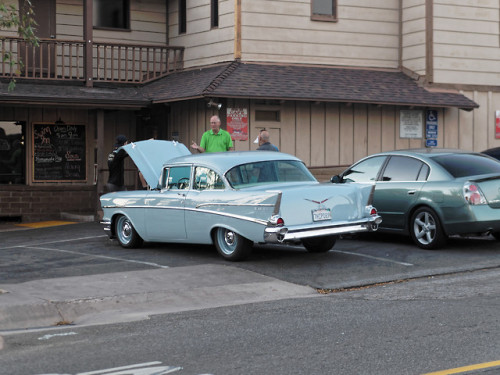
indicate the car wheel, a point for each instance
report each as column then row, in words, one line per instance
column 126, row 234
column 319, row 244
column 426, row 230
column 231, row 245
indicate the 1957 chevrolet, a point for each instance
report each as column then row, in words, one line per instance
column 232, row 200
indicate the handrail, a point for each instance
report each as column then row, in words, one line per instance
column 56, row 59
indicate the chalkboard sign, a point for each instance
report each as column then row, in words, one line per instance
column 59, row 152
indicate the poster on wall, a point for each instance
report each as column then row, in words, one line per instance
column 497, row 125
column 410, row 124
column 237, row 123
column 59, row 152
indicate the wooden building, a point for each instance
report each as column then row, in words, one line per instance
column 333, row 81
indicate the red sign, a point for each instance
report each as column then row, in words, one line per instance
column 237, row 123
column 497, row 126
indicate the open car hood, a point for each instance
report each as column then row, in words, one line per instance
column 149, row 156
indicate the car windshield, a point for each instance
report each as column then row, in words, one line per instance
column 465, row 165
column 265, row 172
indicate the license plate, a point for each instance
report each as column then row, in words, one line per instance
column 322, row 214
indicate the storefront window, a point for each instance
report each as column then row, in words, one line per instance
column 12, row 152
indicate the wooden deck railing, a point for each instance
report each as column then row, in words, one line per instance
column 56, row 59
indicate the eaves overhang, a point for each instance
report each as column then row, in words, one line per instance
column 302, row 83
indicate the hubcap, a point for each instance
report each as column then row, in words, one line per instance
column 227, row 241
column 425, row 228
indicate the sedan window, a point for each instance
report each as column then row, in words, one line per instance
column 402, row 168
column 207, row 179
column 464, row 165
column 365, row 171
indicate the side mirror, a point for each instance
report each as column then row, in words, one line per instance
column 337, row 179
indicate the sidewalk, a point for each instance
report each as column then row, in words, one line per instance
column 126, row 296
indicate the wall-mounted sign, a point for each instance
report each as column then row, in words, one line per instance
column 410, row 124
column 431, row 128
column 237, row 123
column 59, row 152
column 497, row 125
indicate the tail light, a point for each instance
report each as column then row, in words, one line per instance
column 277, row 221
column 473, row 194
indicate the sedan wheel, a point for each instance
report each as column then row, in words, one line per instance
column 426, row 230
column 126, row 234
column 231, row 245
column 319, row 244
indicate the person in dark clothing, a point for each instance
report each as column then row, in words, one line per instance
column 264, row 144
column 115, row 165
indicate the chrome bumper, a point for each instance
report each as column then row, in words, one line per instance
column 106, row 225
column 283, row 234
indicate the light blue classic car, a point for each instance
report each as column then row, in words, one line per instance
column 232, row 200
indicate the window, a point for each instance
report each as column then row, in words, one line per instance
column 12, row 152
column 206, row 179
column 113, row 14
column 365, row 171
column 177, row 178
column 324, row 10
column 267, row 172
column 265, row 115
column 214, row 14
column 402, row 168
column 182, row 16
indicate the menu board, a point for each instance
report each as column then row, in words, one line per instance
column 59, row 152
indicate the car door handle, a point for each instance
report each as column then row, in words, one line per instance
column 412, row 192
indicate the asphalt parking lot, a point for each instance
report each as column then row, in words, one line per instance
column 73, row 272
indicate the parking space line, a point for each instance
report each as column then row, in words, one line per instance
column 372, row 257
column 51, row 242
column 95, row 256
column 461, row 370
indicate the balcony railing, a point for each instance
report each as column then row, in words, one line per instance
column 56, row 59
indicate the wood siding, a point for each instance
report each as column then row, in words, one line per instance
column 413, row 35
column 466, row 42
column 336, row 135
column 203, row 45
column 366, row 33
column 147, row 23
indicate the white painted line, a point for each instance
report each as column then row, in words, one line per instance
column 372, row 257
column 125, row 370
column 51, row 242
column 95, row 256
column 47, row 337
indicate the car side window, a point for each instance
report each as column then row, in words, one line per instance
column 179, row 177
column 207, row 179
column 365, row 171
column 403, row 168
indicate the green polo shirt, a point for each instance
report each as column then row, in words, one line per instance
column 216, row 142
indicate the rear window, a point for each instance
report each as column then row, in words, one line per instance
column 465, row 165
column 266, row 172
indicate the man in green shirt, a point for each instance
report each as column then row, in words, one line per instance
column 215, row 139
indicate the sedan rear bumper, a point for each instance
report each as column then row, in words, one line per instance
column 276, row 234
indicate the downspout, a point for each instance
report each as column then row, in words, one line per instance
column 237, row 29
column 88, row 37
column 429, row 41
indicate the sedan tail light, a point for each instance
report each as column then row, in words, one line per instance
column 473, row 194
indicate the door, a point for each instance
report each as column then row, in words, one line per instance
column 398, row 189
column 40, row 62
column 165, row 211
